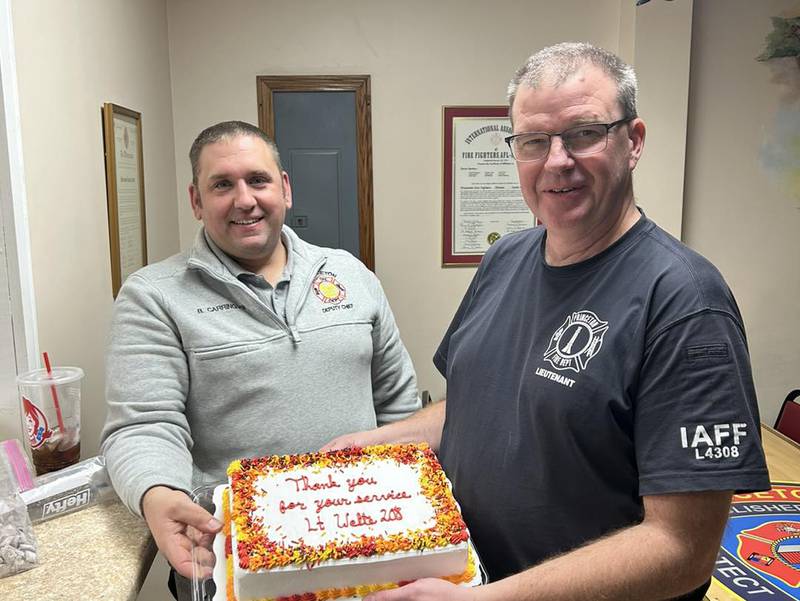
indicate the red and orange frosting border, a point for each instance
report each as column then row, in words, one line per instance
column 256, row 551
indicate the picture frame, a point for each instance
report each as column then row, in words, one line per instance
column 127, row 220
column 481, row 196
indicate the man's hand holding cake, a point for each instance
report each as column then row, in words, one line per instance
column 424, row 426
column 178, row 524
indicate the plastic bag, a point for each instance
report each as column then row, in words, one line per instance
column 17, row 541
column 68, row 490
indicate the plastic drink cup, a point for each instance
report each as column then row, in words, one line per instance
column 51, row 404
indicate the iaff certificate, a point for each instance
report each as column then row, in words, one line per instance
column 487, row 201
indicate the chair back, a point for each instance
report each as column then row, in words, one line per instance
column 788, row 422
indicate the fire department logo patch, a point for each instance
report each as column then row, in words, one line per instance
column 328, row 289
column 773, row 548
column 576, row 341
column 760, row 551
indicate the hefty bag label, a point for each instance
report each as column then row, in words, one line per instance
column 68, row 502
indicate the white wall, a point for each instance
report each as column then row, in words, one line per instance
column 71, row 58
column 662, row 48
column 744, row 216
column 421, row 55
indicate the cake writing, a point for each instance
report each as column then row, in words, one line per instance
column 283, row 507
column 324, row 503
column 392, row 514
column 352, row 483
column 305, row 484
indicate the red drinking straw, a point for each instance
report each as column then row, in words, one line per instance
column 54, row 393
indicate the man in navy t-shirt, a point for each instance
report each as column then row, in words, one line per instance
column 600, row 406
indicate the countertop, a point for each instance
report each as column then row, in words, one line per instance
column 100, row 553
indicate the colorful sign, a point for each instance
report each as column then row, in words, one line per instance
column 760, row 554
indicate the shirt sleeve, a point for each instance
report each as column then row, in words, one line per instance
column 697, row 422
column 146, row 439
column 394, row 382
column 441, row 355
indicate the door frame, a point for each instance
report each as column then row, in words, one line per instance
column 267, row 85
column 16, row 280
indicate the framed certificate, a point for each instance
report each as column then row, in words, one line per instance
column 127, row 232
column 482, row 200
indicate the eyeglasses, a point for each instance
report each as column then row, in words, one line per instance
column 579, row 141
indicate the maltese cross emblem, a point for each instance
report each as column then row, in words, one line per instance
column 576, row 341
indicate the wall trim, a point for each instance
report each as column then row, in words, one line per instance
column 13, row 204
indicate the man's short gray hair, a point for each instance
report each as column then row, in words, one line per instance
column 225, row 131
column 557, row 63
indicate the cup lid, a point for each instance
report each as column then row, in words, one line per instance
column 59, row 375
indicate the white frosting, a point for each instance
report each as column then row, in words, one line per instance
column 342, row 504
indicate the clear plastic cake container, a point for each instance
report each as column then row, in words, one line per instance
column 208, row 581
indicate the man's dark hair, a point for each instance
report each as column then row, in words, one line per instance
column 225, row 131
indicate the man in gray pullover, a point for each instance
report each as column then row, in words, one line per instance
column 253, row 342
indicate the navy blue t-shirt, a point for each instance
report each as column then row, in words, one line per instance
column 574, row 391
